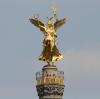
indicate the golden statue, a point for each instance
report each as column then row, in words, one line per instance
column 50, row 53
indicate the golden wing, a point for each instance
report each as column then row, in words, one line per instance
column 59, row 23
column 38, row 24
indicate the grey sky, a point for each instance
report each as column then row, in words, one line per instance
column 20, row 46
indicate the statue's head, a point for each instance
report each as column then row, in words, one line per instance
column 50, row 22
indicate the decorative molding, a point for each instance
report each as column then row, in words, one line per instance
column 50, row 90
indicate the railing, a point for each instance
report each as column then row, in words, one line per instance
column 52, row 79
column 40, row 74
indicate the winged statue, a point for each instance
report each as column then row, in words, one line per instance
column 50, row 52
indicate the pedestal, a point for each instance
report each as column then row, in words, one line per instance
column 50, row 83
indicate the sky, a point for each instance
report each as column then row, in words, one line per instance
column 21, row 44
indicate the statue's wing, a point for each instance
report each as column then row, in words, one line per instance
column 59, row 23
column 38, row 24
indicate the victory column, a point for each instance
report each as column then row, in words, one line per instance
column 50, row 81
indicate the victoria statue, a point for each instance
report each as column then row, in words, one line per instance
column 50, row 52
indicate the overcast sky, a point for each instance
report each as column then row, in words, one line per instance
column 21, row 44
